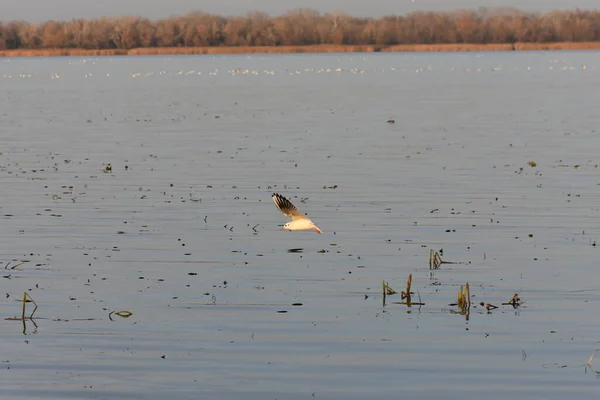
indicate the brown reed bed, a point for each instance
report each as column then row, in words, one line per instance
column 254, row 50
column 445, row 47
column 558, row 46
column 62, row 52
column 325, row 48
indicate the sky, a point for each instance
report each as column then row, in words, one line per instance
column 42, row 10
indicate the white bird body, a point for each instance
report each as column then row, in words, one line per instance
column 301, row 224
column 299, row 221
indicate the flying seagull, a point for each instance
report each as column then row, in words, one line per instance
column 299, row 220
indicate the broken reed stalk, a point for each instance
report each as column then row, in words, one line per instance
column 407, row 293
column 589, row 362
column 460, row 300
column 25, row 296
column 515, row 301
column 387, row 291
column 463, row 300
column 435, row 260
column 468, row 294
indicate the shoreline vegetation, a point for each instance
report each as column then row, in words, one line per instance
column 305, row 31
column 222, row 50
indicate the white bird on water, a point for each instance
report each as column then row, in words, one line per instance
column 299, row 221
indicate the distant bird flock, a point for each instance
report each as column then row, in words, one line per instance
column 555, row 65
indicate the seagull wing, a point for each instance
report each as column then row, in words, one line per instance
column 287, row 208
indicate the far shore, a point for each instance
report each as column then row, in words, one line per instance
column 326, row 48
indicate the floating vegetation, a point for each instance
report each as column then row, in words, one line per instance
column 17, row 265
column 121, row 313
column 532, row 164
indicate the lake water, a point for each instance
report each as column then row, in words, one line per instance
column 493, row 159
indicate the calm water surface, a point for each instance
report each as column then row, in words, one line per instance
column 493, row 158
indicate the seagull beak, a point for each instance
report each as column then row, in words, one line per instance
column 282, row 229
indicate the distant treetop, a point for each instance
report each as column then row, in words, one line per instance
column 305, row 27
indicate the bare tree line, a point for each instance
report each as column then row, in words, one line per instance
column 305, row 27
